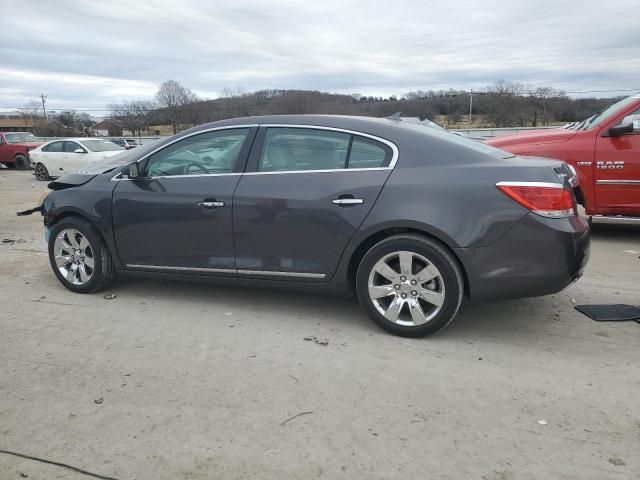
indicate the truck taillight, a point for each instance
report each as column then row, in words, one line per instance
column 550, row 200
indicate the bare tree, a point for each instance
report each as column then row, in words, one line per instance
column 32, row 116
column 174, row 98
column 133, row 115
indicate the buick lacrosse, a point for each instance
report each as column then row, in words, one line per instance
column 410, row 219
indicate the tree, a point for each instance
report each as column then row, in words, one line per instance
column 31, row 115
column 133, row 115
column 174, row 98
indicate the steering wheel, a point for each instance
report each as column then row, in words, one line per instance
column 198, row 165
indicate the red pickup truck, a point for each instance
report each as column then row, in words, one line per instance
column 14, row 149
column 604, row 150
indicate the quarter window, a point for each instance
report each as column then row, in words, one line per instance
column 206, row 153
column 367, row 153
column 53, row 147
column 293, row 149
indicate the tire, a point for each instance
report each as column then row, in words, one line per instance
column 22, row 162
column 42, row 174
column 91, row 251
column 403, row 305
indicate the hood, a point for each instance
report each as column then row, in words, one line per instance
column 110, row 153
column 554, row 135
column 27, row 144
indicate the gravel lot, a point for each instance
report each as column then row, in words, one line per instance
column 176, row 380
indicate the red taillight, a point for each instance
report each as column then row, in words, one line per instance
column 546, row 199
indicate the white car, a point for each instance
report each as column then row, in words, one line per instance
column 58, row 157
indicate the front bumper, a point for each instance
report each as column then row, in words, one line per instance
column 538, row 256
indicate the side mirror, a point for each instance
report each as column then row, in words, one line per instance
column 133, row 170
column 79, row 150
column 620, row 130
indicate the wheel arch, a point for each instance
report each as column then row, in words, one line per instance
column 365, row 244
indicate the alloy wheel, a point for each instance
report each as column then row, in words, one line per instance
column 406, row 288
column 74, row 256
column 41, row 172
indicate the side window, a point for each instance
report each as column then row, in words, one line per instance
column 631, row 118
column 70, row 147
column 53, row 147
column 206, row 153
column 368, row 153
column 292, row 149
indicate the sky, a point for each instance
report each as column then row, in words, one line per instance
column 85, row 54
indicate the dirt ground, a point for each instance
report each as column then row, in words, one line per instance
column 175, row 380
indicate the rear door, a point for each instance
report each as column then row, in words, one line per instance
column 617, row 174
column 53, row 158
column 306, row 191
column 179, row 218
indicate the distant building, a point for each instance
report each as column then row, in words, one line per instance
column 107, row 128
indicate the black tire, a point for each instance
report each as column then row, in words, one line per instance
column 103, row 269
column 450, row 279
column 22, row 162
column 42, row 174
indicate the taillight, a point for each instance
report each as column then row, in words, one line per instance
column 550, row 200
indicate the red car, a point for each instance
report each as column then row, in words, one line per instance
column 604, row 150
column 14, row 149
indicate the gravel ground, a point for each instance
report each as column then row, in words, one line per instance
column 174, row 380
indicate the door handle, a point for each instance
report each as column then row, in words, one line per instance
column 211, row 204
column 347, row 202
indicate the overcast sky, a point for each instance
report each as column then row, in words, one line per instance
column 86, row 53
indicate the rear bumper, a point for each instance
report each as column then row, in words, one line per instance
column 538, row 256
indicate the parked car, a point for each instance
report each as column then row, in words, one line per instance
column 126, row 143
column 15, row 148
column 603, row 149
column 58, row 157
column 410, row 218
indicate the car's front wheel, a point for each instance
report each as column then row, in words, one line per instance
column 41, row 172
column 410, row 285
column 79, row 257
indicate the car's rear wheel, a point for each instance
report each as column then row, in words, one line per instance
column 41, row 172
column 22, row 162
column 79, row 257
column 410, row 285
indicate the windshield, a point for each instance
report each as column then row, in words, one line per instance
column 100, row 145
column 607, row 112
column 20, row 138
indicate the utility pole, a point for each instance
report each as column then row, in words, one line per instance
column 470, row 106
column 43, row 107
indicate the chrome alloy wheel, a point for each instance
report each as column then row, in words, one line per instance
column 74, row 256
column 406, row 288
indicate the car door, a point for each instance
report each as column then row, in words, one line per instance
column 72, row 160
column 306, row 191
column 178, row 218
column 617, row 164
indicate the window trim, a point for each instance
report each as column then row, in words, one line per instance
column 252, row 168
column 257, row 135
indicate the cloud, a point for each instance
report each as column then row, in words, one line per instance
column 86, row 53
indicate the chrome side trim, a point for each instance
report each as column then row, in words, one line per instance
column 183, row 269
column 282, row 274
column 530, row 184
column 617, row 182
column 319, row 171
column 229, row 270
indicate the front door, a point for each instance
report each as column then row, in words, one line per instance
column 179, row 217
column 617, row 174
column 306, row 192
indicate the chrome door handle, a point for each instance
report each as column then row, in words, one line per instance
column 214, row 204
column 345, row 202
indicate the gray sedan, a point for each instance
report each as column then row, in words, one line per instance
column 410, row 219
